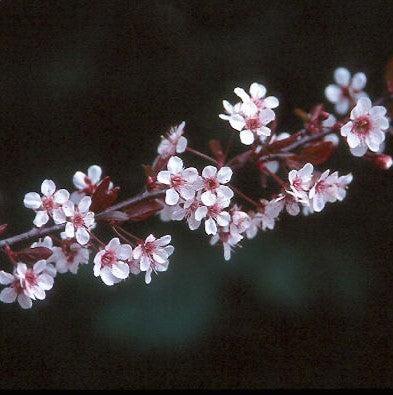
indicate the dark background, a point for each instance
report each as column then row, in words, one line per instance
column 308, row 305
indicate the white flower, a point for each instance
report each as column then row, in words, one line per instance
column 240, row 221
column 290, row 203
column 229, row 239
column 47, row 242
column 166, row 214
column 153, row 255
column 269, row 211
column 299, row 181
column 174, row 142
column 233, row 115
column 213, row 182
column 180, row 180
column 88, row 183
column 47, row 205
column 257, row 96
column 111, row 263
column 324, row 190
column 367, row 127
column 342, row 185
column 25, row 284
column 215, row 214
column 187, row 209
column 69, row 256
column 80, row 220
column 346, row 90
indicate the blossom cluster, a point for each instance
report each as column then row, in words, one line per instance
column 290, row 173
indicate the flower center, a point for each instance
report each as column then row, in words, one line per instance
column 90, row 187
column 214, row 210
column 297, row 183
column 362, row 126
column 78, row 220
column 253, row 123
column 345, row 92
column 211, row 184
column 177, row 181
column 108, row 259
column 321, row 186
column 30, row 277
column 48, row 203
column 258, row 102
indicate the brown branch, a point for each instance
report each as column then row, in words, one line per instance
column 39, row 232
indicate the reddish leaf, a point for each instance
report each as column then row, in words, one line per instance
column 316, row 154
column 32, row 255
column 217, row 151
column 3, row 228
column 280, row 144
column 143, row 210
column 103, row 197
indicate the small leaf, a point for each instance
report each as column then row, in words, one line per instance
column 103, row 197
column 143, row 210
column 116, row 216
column 317, row 153
column 280, row 144
column 32, row 255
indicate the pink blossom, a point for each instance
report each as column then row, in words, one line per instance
column 229, row 239
column 69, row 256
column 299, row 181
column 174, row 142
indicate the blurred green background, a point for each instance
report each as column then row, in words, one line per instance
column 308, row 305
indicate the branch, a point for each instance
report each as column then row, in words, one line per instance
column 39, row 232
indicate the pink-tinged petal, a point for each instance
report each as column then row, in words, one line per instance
column 45, row 281
column 346, row 129
column 107, row 277
column 242, row 94
column 236, row 121
column 171, row 197
column 267, row 115
column 113, row 245
column 41, row 218
column 48, row 187
column 160, row 256
column 208, row 198
column 32, row 200
column 69, row 230
column 148, row 277
column 84, row 204
column 39, row 266
column 8, row 295
column 61, row 196
column 227, row 106
column 69, row 208
column 223, row 218
column 359, row 81
column 162, row 267
column 353, row 140
column 209, row 172
column 164, row 177
column 272, row 166
column 175, row 165
column 333, row 93
column 200, row 213
column 193, row 224
column 263, row 132
column 79, row 180
column 271, row 102
column 51, row 270
column 145, row 263
column 362, row 107
column 342, row 106
column 164, row 240
column 190, row 174
column 249, row 109
column 225, row 191
column 97, row 268
column 137, row 252
column 94, row 172
column 21, row 269
column 24, row 301
column 6, row 278
column 247, row 137
column 169, row 250
column 38, row 292
column 257, row 91
column 372, row 143
column 89, row 219
column 318, row 203
column 181, row 145
column 227, row 251
column 121, row 270
column 292, row 208
column 150, row 238
column 306, row 171
column 210, row 227
column 377, row 111
column 82, row 236
column 342, row 76
column 224, row 174
column 97, row 258
column 124, row 252
column 58, row 216
column 187, row 192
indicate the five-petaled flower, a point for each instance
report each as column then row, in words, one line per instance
column 111, row 262
column 174, row 142
column 346, row 90
column 79, row 220
column 367, row 127
column 47, row 205
column 181, row 181
column 153, row 254
column 212, row 182
column 69, row 256
column 299, row 182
